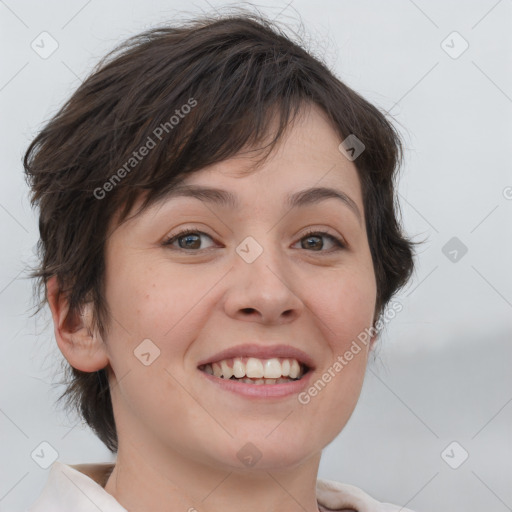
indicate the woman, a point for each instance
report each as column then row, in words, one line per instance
column 219, row 243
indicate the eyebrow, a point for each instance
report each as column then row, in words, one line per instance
column 298, row 199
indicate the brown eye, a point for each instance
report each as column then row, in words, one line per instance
column 188, row 239
column 313, row 240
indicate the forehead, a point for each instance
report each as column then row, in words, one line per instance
column 306, row 155
column 304, row 168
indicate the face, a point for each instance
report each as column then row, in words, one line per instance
column 260, row 279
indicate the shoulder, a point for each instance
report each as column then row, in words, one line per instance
column 345, row 497
column 78, row 488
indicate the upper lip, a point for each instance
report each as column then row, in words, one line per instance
column 261, row 352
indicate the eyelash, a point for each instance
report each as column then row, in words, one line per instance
column 340, row 244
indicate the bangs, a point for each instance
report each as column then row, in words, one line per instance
column 194, row 109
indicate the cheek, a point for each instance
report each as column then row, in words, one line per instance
column 345, row 304
column 345, row 312
column 150, row 297
column 149, row 304
column 166, row 306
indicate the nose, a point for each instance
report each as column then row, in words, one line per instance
column 262, row 291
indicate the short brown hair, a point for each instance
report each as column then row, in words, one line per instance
column 235, row 72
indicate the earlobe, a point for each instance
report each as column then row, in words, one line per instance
column 373, row 341
column 82, row 348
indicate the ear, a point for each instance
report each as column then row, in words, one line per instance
column 83, row 349
column 373, row 341
column 376, row 334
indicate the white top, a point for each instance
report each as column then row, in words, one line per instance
column 68, row 488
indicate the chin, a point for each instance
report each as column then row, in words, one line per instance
column 257, row 453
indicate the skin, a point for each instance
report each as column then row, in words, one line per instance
column 179, row 434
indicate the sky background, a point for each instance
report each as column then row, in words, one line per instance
column 442, row 373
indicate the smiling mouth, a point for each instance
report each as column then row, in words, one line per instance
column 252, row 370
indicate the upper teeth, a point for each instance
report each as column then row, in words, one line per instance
column 254, row 368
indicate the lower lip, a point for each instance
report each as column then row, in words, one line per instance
column 284, row 389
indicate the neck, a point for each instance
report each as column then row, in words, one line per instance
column 143, row 480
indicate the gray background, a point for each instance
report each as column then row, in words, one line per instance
column 443, row 370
